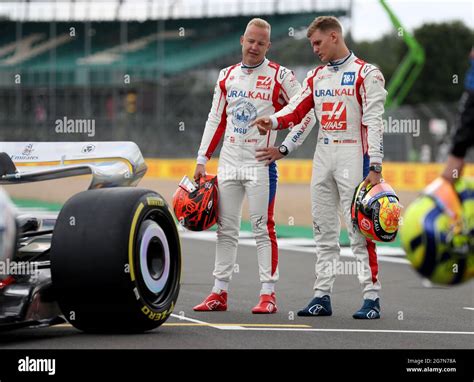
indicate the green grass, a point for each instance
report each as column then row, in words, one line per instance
column 30, row 203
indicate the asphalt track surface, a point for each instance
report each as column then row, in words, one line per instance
column 413, row 316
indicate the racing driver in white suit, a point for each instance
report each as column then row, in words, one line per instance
column 348, row 98
column 244, row 91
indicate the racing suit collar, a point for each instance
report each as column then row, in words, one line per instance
column 243, row 66
column 338, row 64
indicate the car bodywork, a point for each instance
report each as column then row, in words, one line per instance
column 111, row 164
column 28, row 298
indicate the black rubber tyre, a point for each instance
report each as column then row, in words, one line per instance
column 116, row 260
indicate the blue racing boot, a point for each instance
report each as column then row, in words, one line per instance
column 369, row 311
column 319, row 306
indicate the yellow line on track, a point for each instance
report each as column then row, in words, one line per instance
column 228, row 324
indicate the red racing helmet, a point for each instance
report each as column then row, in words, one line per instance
column 195, row 205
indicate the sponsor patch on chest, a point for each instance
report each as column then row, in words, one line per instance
column 348, row 78
column 264, row 82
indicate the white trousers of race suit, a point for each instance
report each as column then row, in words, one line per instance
column 259, row 184
column 337, row 170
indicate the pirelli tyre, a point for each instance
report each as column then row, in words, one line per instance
column 116, row 260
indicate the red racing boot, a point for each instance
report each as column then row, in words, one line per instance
column 266, row 305
column 213, row 303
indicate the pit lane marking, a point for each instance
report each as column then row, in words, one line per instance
column 263, row 327
column 363, row 331
column 194, row 323
column 292, row 328
column 243, row 325
column 217, row 325
column 231, row 326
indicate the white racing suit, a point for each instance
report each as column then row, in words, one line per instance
column 348, row 99
column 241, row 95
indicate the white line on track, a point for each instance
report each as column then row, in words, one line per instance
column 231, row 327
column 361, row 331
column 221, row 327
column 467, row 308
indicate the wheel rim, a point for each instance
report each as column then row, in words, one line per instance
column 154, row 256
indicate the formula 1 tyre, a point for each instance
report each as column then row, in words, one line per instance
column 116, row 260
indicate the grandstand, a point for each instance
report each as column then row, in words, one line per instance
column 62, row 52
column 140, row 79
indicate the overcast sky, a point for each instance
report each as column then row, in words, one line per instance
column 369, row 20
